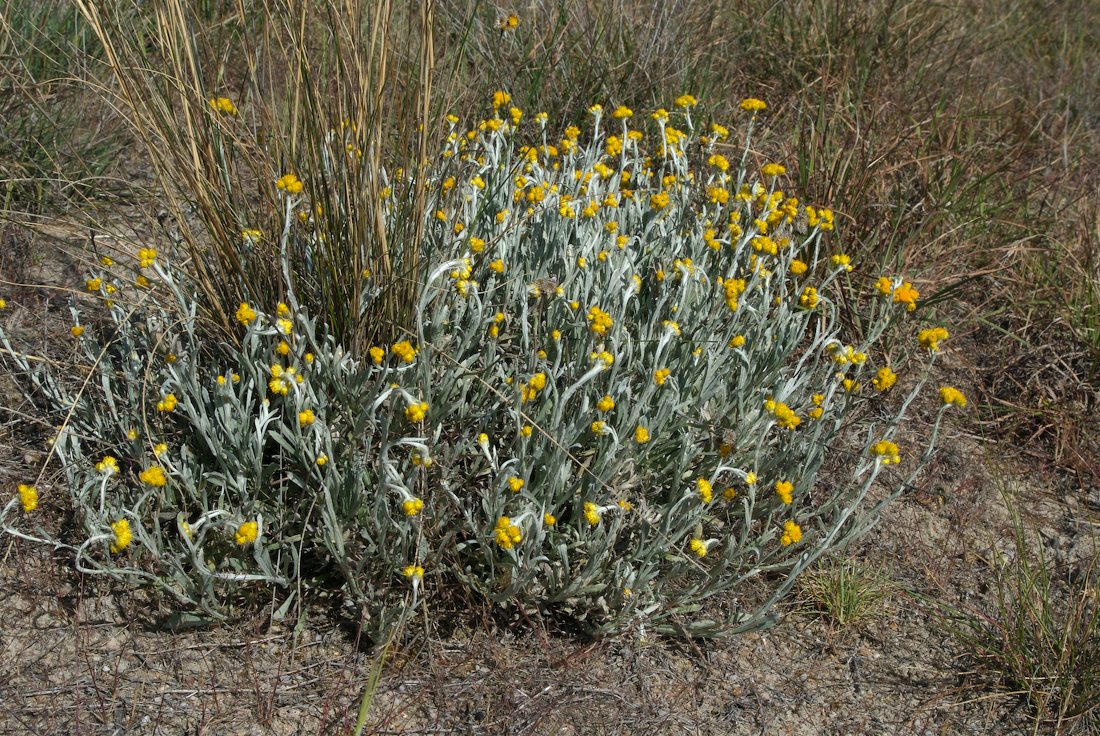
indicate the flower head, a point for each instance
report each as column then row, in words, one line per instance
column 791, row 533
column 412, row 506
column 699, row 547
column 641, row 435
column 591, row 513
column 223, row 105
column 416, row 411
column 28, row 496
column 247, row 533
column 507, row 534
column 751, row 104
column 153, row 475
column 784, row 489
column 952, row 397
column 884, row 379
column 306, row 418
column 245, row 314
column 886, row 450
column 107, row 466
column 931, row 337
column 123, row 537
column 414, row 572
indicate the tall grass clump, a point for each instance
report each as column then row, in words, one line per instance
column 236, row 107
column 625, row 390
column 52, row 145
column 1040, row 634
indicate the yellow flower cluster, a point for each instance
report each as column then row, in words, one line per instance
column 699, row 547
column 952, row 397
column 416, row 411
column 884, row 379
column 599, row 321
column 784, row 415
column 223, row 105
column 661, row 375
column 289, row 183
column 530, row 390
column 591, row 513
column 886, row 450
column 415, row 572
column 123, row 536
column 641, row 435
column 412, row 506
column 404, row 350
column 605, row 404
column 931, row 337
column 705, row 489
column 167, row 404
column 247, row 533
column 784, row 489
column 792, row 533
column 507, row 534
column 107, row 466
column 809, row 298
column 515, row 484
column 28, row 496
column 245, row 314
column 147, row 257
column 153, row 475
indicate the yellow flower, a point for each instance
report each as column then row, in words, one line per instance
column 907, row 295
column 686, row 101
column 515, row 484
column 245, row 314
column 659, row 201
column 809, row 298
column 415, row 572
column 247, row 533
column 416, row 412
column 108, row 465
column 507, row 534
column 377, row 354
column 160, row 448
column 94, row 284
column 153, row 475
column 751, row 104
column 661, row 375
column 750, row 478
column 131, row 434
column 706, row 490
column 931, row 337
column 641, row 435
column 526, row 430
column 884, row 379
column 321, row 460
column 622, row 112
column 888, row 451
column 223, row 105
column 952, row 397
column 404, row 350
column 283, row 348
column 289, row 183
column 591, row 513
column 497, row 266
column 772, row 170
column 884, row 286
column 737, row 341
column 792, row 533
column 605, row 404
column 167, row 404
column 549, row 519
column 784, row 489
column 500, row 99
column 412, row 506
column 123, row 537
column 28, row 496
column 146, row 257
column 719, row 162
column 77, row 330
column 306, row 418
column 598, row 427
column 598, row 320
column 699, row 547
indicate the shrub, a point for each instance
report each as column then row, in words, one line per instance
column 626, row 373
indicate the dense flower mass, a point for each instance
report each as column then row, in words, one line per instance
column 28, row 496
column 247, row 533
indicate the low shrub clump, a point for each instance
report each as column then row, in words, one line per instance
column 625, row 369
